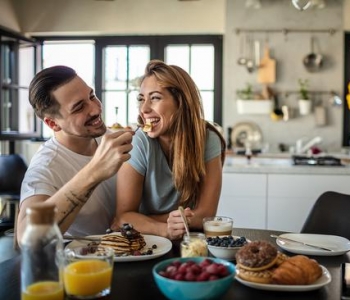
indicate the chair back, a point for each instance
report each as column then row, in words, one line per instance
column 329, row 215
column 12, row 170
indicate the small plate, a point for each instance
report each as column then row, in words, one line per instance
column 322, row 281
column 163, row 246
column 338, row 244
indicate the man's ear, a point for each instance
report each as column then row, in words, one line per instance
column 52, row 124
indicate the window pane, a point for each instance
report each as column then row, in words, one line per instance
column 208, row 105
column 123, row 67
column 26, row 114
column 115, row 68
column 138, row 58
column 115, row 100
column 133, row 107
column 26, row 67
column 202, row 66
column 178, row 55
column 79, row 55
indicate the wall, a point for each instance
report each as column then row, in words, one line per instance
column 288, row 50
column 125, row 17
column 216, row 17
column 8, row 17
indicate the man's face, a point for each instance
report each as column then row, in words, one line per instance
column 80, row 111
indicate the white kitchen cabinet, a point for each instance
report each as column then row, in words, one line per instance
column 243, row 198
column 291, row 197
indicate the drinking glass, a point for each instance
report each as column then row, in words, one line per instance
column 217, row 226
column 88, row 272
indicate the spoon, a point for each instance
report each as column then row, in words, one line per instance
column 182, row 212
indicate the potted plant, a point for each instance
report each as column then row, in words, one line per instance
column 248, row 102
column 304, row 101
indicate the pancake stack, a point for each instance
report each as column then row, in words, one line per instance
column 125, row 242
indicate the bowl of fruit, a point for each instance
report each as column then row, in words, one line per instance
column 194, row 278
column 225, row 247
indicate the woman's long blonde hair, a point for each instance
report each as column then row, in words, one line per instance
column 188, row 131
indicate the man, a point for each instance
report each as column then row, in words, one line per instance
column 76, row 168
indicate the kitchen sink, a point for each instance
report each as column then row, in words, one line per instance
column 329, row 161
column 258, row 161
column 294, row 160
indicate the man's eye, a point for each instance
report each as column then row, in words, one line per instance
column 93, row 97
column 139, row 99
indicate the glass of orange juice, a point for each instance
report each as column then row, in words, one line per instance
column 87, row 272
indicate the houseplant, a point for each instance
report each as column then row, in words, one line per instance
column 304, row 101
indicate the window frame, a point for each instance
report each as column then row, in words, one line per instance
column 8, row 36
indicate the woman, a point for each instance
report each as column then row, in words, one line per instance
column 178, row 161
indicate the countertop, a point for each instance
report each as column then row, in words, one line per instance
column 280, row 164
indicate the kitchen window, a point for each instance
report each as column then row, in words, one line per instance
column 18, row 64
column 118, row 63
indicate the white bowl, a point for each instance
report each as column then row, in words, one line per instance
column 227, row 253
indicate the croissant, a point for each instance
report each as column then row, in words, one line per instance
column 297, row 270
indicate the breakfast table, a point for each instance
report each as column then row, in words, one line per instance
column 134, row 280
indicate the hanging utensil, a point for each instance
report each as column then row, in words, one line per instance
column 335, row 100
column 313, row 61
column 242, row 60
column 250, row 62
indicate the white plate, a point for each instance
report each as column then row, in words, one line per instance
column 338, row 244
column 163, row 246
column 322, row 281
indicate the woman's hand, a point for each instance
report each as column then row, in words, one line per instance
column 176, row 227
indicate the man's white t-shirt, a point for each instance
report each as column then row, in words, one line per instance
column 52, row 166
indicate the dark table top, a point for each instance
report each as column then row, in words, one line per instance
column 134, row 280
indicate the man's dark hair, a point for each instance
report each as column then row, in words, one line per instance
column 44, row 84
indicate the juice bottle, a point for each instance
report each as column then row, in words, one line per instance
column 41, row 248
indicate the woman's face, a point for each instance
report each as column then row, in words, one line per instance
column 157, row 106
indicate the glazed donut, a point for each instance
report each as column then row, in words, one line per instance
column 257, row 256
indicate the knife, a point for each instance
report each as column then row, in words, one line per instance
column 301, row 243
column 81, row 238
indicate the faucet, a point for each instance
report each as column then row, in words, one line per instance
column 300, row 148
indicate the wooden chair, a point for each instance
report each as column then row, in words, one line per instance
column 12, row 170
column 329, row 215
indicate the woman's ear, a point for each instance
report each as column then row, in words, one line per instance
column 52, row 124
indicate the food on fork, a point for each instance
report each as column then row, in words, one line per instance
column 118, row 126
column 147, row 127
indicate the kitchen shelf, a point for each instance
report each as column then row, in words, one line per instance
column 285, row 31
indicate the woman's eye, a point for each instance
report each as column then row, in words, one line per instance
column 155, row 98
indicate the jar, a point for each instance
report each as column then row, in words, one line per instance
column 42, row 250
column 194, row 245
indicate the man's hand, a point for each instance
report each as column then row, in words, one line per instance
column 111, row 154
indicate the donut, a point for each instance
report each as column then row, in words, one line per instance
column 257, row 256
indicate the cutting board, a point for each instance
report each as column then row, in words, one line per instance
column 267, row 68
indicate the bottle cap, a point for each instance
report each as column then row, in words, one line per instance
column 41, row 213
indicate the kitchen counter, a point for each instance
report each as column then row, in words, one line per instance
column 280, row 164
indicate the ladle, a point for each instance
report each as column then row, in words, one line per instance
column 242, row 59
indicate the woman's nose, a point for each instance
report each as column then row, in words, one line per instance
column 145, row 107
